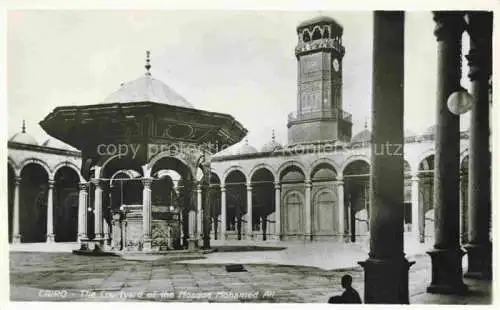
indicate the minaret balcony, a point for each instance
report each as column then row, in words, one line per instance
column 328, row 114
column 303, row 48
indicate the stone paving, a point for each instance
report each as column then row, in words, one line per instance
column 54, row 276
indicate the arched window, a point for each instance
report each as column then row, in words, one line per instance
column 326, row 34
column 316, row 34
column 305, row 36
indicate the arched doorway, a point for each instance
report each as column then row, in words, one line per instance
column 173, row 197
column 33, row 203
column 214, row 200
column 292, row 180
column 426, row 198
column 236, row 203
column 325, row 208
column 357, row 190
column 263, row 203
column 66, row 205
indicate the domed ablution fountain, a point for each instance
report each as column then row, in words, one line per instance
column 146, row 159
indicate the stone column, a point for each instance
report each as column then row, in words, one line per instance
column 16, row 236
column 463, row 209
column 82, row 212
column 223, row 213
column 146, row 214
column 99, row 237
column 277, row 211
column 199, row 213
column 447, row 255
column 415, row 216
column 386, row 269
column 341, row 207
column 249, row 212
column 50, row 212
column 308, row 233
column 479, row 248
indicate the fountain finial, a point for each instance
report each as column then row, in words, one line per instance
column 23, row 127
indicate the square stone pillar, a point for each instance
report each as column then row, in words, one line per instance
column 146, row 215
column 82, row 215
column 223, row 213
column 99, row 237
column 386, row 269
column 277, row 212
column 249, row 213
column 50, row 212
column 308, row 214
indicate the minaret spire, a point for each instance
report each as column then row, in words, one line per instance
column 148, row 64
column 273, row 136
column 23, row 127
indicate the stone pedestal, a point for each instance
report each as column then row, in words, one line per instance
column 445, row 278
column 394, row 271
column 193, row 244
column 480, row 261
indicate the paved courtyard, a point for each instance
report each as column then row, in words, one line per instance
column 271, row 276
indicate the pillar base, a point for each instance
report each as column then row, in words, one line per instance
column 16, row 239
column 479, row 257
column 146, row 245
column 84, row 243
column 51, row 238
column 192, row 244
column 98, row 243
column 447, row 272
column 386, row 280
column 249, row 237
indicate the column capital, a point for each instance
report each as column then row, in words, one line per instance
column 308, row 183
column 249, row 187
column 83, row 186
column 449, row 25
column 222, row 188
column 146, row 182
column 96, row 182
column 340, row 181
column 17, row 181
column 480, row 29
column 51, row 183
column 277, row 185
column 415, row 178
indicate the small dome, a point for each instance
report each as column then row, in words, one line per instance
column 246, row 149
column 363, row 136
column 272, row 145
column 23, row 137
column 57, row 144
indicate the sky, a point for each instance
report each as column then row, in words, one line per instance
column 236, row 62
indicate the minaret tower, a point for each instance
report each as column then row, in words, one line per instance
column 319, row 115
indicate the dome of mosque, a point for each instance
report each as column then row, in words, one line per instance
column 272, row 145
column 23, row 137
column 364, row 136
column 246, row 149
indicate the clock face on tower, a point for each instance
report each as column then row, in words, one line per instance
column 336, row 65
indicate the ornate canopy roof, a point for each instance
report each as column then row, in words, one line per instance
column 147, row 89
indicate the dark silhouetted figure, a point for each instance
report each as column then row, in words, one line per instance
column 349, row 296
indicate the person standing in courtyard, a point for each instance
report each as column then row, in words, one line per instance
column 349, row 296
